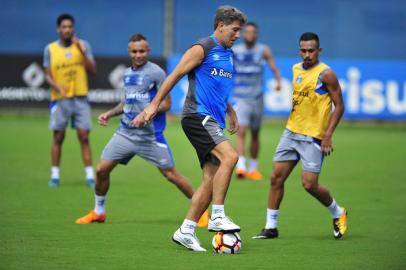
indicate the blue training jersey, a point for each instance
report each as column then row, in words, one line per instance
column 140, row 87
column 211, row 83
column 249, row 64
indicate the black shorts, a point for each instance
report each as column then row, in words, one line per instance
column 204, row 133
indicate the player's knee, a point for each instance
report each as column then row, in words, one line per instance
column 255, row 135
column 241, row 132
column 58, row 139
column 170, row 176
column 232, row 158
column 102, row 171
column 229, row 158
column 276, row 180
column 84, row 139
column 310, row 186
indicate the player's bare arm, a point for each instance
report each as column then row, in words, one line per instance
column 50, row 80
column 334, row 90
column 103, row 118
column 191, row 59
column 165, row 104
column 272, row 65
column 232, row 116
column 163, row 107
column 90, row 64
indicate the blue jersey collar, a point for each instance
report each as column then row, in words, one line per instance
column 217, row 42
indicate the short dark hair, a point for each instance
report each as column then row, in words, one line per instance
column 64, row 16
column 137, row 37
column 251, row 24
column 227, row 15
column 310, row 36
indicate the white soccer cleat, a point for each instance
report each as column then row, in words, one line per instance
column 187, row 240
column 222, row 224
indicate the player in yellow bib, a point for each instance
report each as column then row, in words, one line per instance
column 308, row 135
column 66, row 62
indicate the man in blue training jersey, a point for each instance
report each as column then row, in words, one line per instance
column 141, row 82
column 250, row 57
column 210, row 69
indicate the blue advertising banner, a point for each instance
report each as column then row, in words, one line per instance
column 372, row 89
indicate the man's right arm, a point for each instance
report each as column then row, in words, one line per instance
column 271, row 63
column 50, row 80
column 190, row 60
column 104, row 117
column 334, row 90
column 86, row 51
column 48, row 75
column 165, row 104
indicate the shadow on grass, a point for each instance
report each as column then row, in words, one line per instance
column 154, row 221
column 346, row 237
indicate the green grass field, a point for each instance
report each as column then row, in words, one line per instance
column 366, row 174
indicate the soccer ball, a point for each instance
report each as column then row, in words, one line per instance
column 226, row 243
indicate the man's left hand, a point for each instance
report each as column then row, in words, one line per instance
column 327, row 145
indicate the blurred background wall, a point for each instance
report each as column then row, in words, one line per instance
column 364, row 41
column 367, row 29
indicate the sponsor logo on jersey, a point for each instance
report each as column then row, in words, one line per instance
column 133, row 79
column 221, row 72
column 138, row 96
column 299, row 79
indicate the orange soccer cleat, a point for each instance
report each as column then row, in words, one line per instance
column 204, row 220
column 91, row 217
column 254, row 175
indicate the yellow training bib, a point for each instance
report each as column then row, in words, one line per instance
column 311, row 103
column 67, row 69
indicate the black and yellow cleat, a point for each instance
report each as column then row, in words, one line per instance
column 267, row 234
column 340, row 225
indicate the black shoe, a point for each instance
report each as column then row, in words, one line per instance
column 267, row 234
